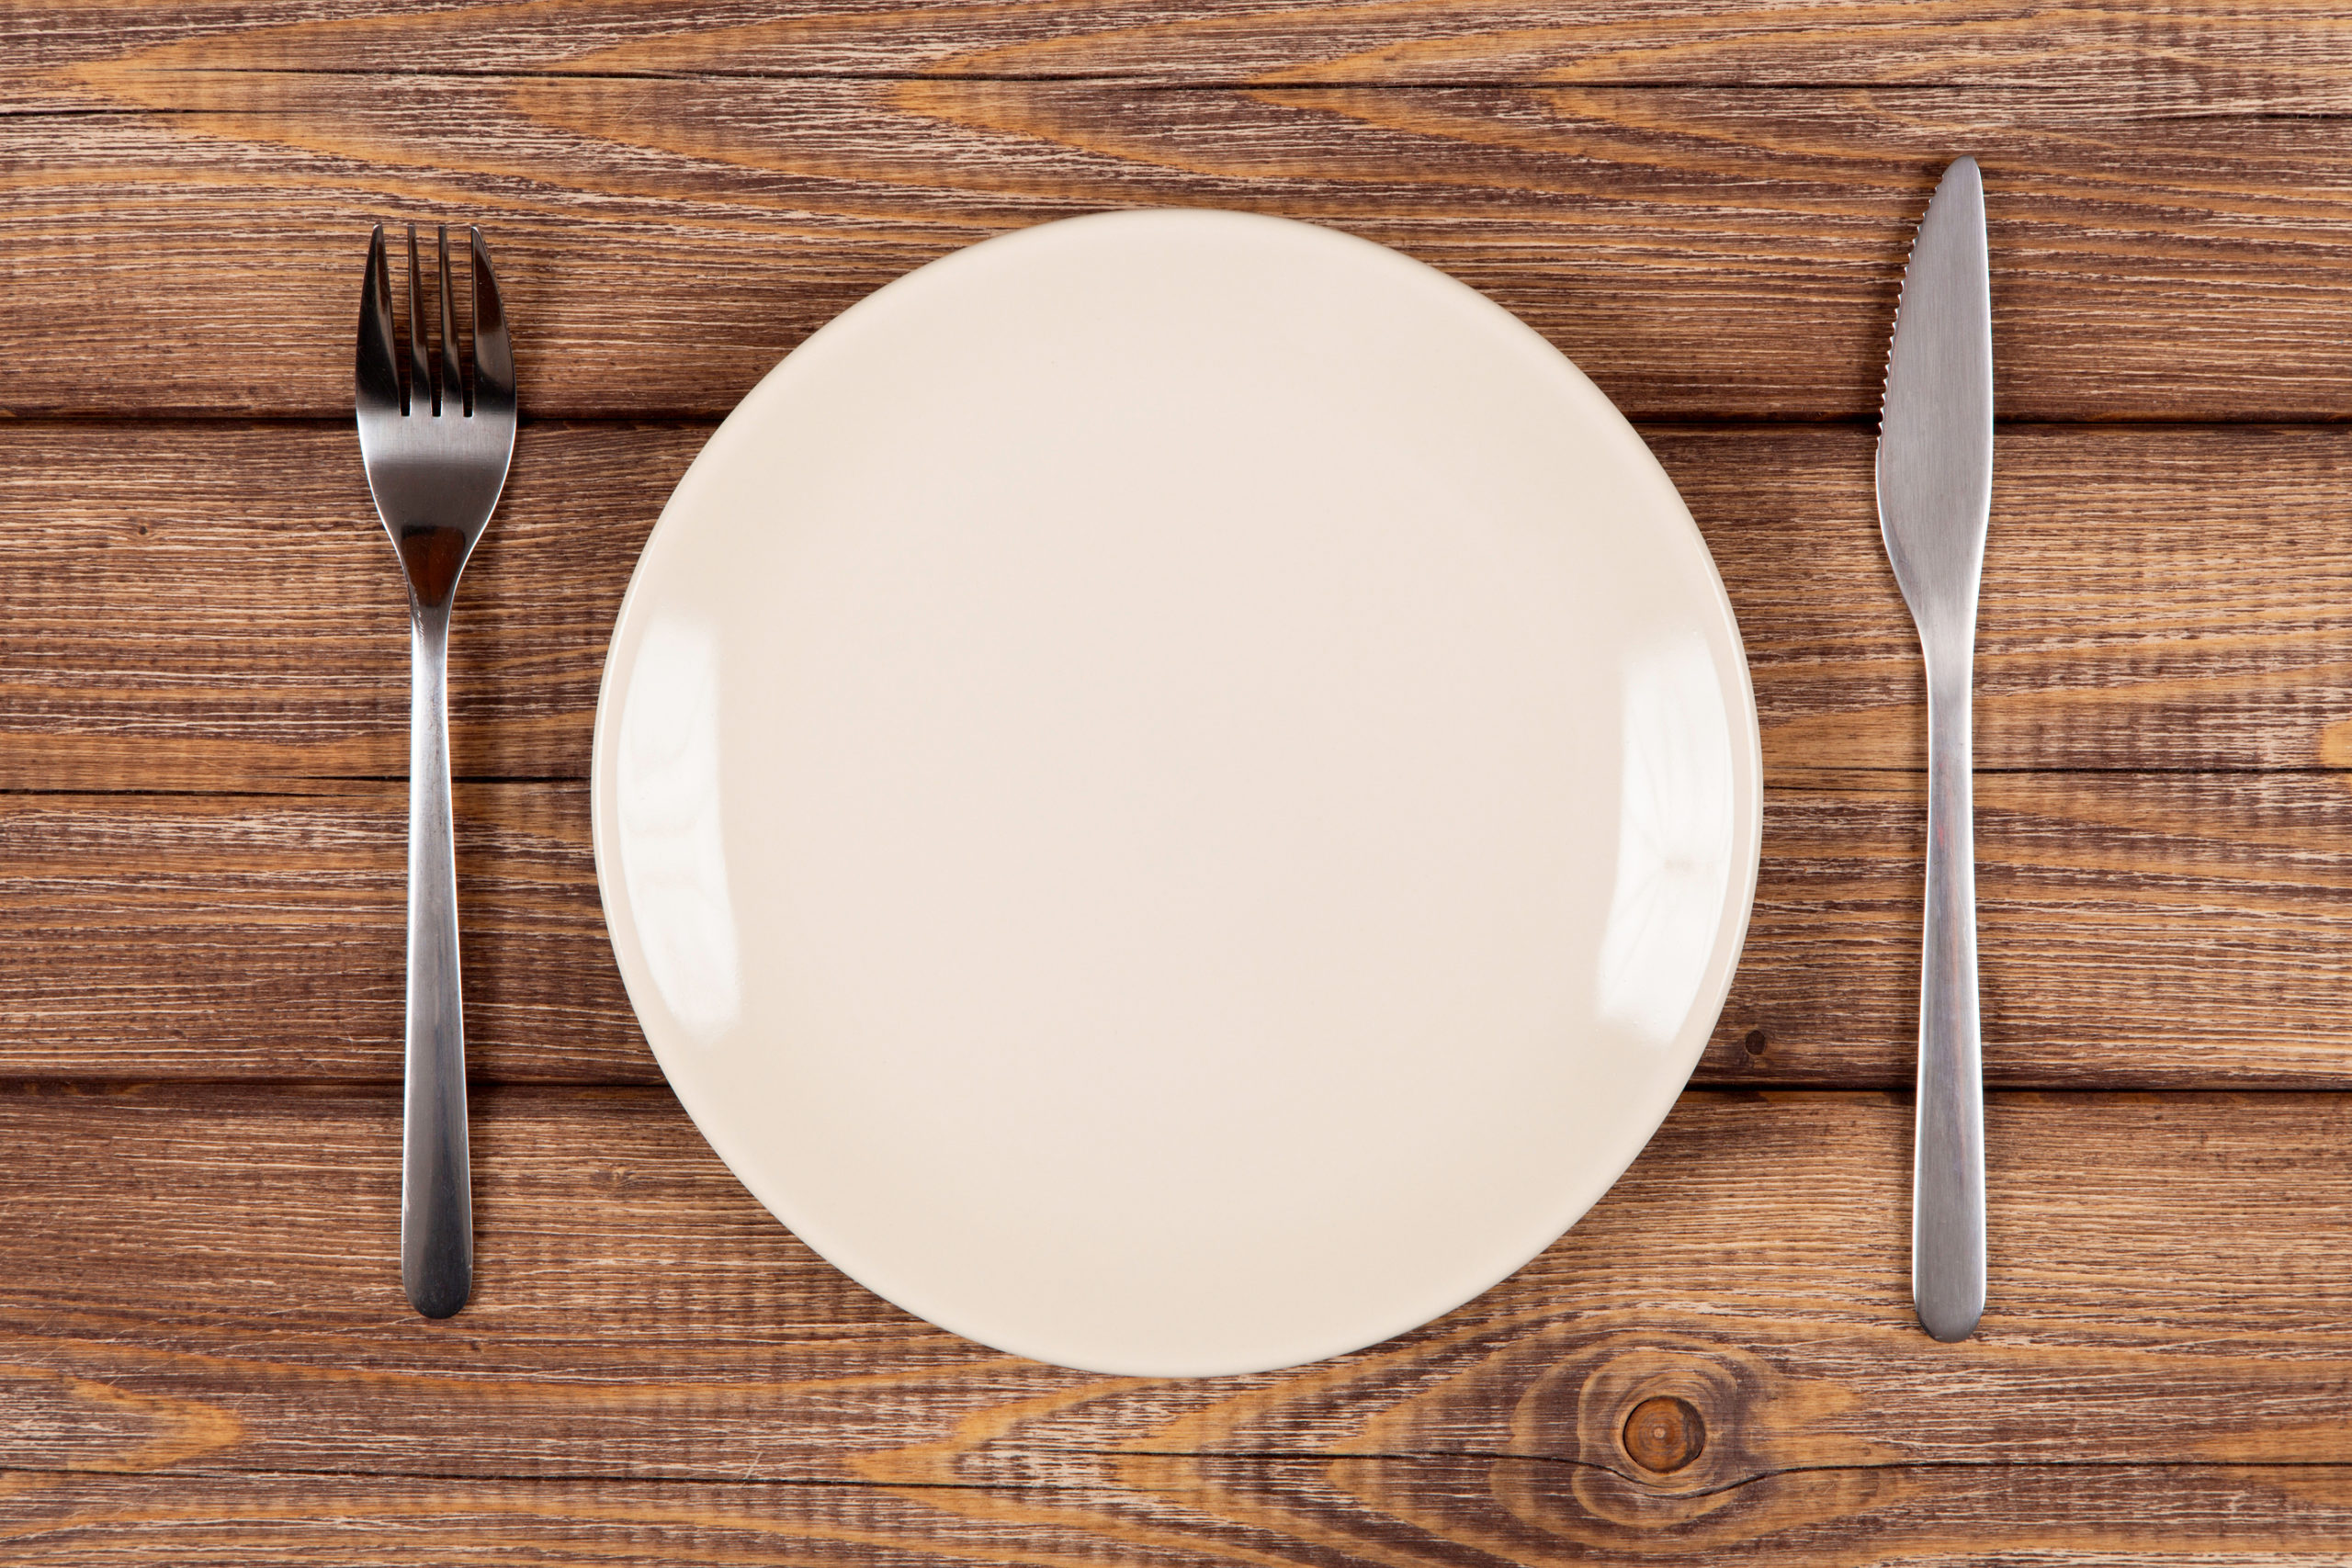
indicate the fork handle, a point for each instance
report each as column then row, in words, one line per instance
column 436, row 1196
column 1948, row 1162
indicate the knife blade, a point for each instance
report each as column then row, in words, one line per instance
column 1935, row 489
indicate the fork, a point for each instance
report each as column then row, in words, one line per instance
column 437, row 444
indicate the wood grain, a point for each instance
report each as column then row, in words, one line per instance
column 1189, row 1512
column 204, row 1359
column 213, row 607
column 665, row 237
column 2184, row 931
column 252, row 937
column 2214, row 54
column 217, row 609
column 208, row 611
column 201, row 1298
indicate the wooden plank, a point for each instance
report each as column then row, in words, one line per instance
column 213, row 607
column 1701, row 251
column 2137, row 930
column 2134, row 930
column 203, row 1316
column 217, row 609
column 1190, row 1513
column 2209, row 54
column 225, row 936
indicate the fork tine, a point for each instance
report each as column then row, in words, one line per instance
column 376, row 375
column 449, row 387
column 420, row 372
column 493, row 355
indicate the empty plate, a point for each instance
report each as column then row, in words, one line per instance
column 1176, row 792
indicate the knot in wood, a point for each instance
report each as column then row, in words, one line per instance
column 1664, row 1434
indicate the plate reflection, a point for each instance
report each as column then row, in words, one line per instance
column 672, row 851
column 1674, row 844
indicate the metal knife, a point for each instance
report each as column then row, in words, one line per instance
column 1935, row 492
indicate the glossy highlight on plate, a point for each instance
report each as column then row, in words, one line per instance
column 1176, row 792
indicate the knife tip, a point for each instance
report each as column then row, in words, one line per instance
column 1961, row 174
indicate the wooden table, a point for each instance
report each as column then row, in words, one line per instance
column 204, row 1354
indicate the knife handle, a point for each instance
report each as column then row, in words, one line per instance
column 437, row 1186
column 1948, row 1162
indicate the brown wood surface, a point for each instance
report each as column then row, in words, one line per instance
column 211, row 607
column 204, row 1357
column 639, row 1321
column 2140, row 929
column 1705, row 205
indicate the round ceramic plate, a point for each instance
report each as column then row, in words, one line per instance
column 1176, row 792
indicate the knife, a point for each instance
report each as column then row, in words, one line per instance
column 1935, row 492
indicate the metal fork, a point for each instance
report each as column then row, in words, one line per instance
column 437, row 444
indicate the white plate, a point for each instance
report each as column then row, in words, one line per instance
column 1176, row 792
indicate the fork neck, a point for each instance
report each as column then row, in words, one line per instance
column 433, row 559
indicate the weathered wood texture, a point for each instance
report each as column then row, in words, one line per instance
column 2239, row 54
column 1193, row 1512
column 204, row 1357
column 206, row 608
column 677, row 200
column 2138, row 930
column 2167, row 1338
column 209, row 611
